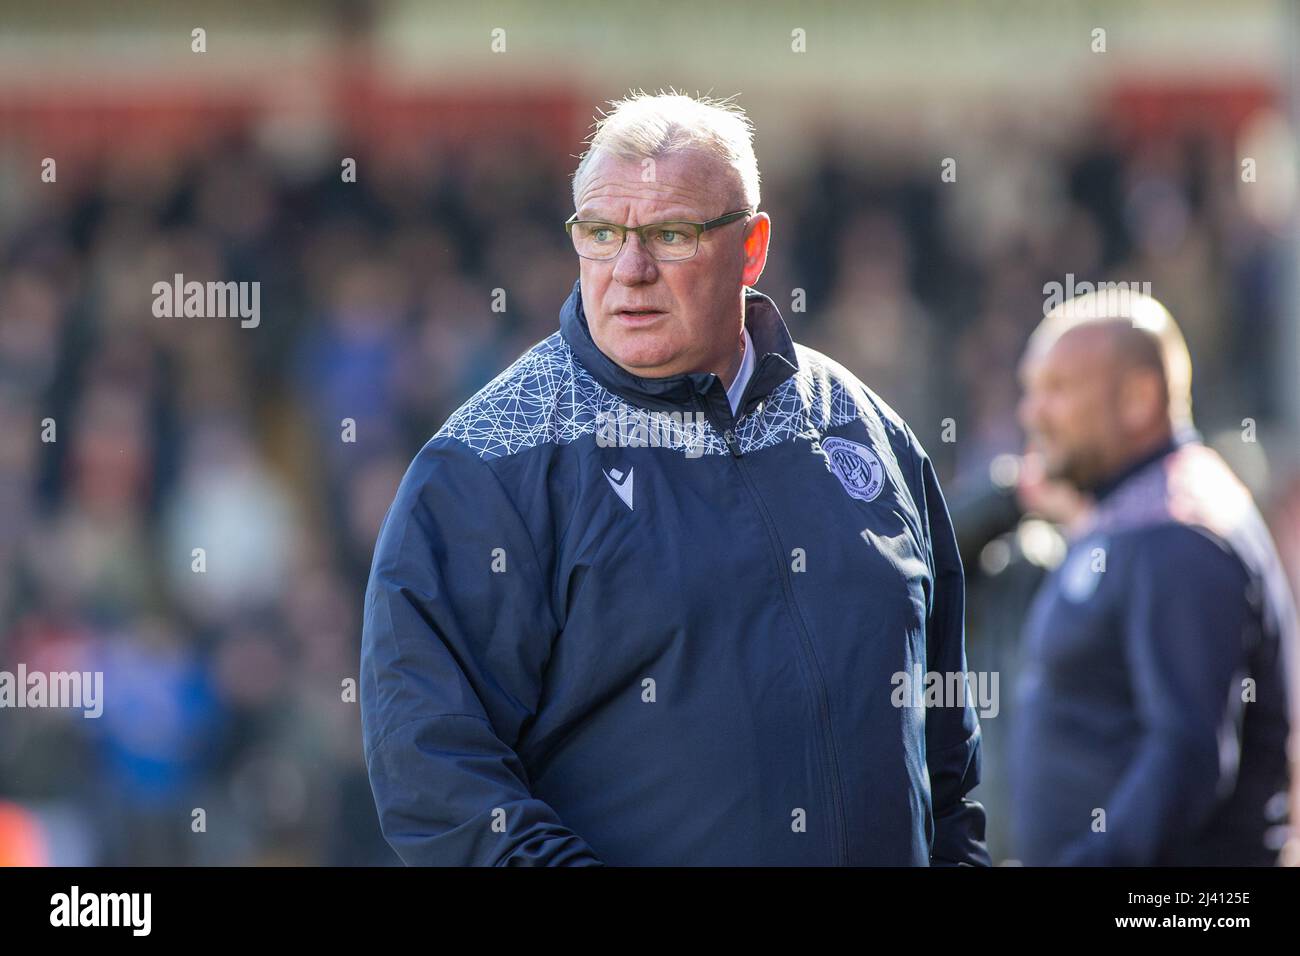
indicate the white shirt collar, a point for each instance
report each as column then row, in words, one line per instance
column 737, row 389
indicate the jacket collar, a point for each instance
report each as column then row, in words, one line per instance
column 774, row 356
column 1112, row 483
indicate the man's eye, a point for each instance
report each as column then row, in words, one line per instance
column 670, row 236
column 602, row 234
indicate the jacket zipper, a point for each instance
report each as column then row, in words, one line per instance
column 823, row 704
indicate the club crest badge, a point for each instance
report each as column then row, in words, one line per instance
column 856, row 466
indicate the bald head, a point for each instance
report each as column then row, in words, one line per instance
column 1141, row 333
column 1107, row 379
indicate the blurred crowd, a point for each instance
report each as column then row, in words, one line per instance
column 127, row 441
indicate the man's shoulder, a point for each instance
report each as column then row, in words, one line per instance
column 543, row 396
column 1183, row 519
column 837, row 396
column 1191, row 488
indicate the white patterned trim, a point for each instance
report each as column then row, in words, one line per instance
column 547, row 397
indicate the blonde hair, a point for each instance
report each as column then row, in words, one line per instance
column 646, row 126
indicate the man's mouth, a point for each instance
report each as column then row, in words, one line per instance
column 639, row 316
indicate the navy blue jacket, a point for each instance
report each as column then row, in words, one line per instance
column 1155, row 680
column 580, row 652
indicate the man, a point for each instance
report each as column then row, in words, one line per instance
column 585, row 647
column 1155, row 703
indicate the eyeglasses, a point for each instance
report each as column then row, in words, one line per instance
column 665, row 241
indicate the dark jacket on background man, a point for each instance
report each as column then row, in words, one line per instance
column 1155, row 681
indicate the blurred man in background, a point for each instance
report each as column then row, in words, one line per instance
column 1156, row 696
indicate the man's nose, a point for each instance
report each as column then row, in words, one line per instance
column 634, row 265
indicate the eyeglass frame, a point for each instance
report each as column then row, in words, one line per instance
column 723, row 220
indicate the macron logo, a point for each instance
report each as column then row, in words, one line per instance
column 622, row 485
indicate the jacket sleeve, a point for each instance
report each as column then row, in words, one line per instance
column 952, row 734
column 1183, row 646
column 457, row 632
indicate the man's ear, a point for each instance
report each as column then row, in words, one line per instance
column 758, row 232
column 1143, row 399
